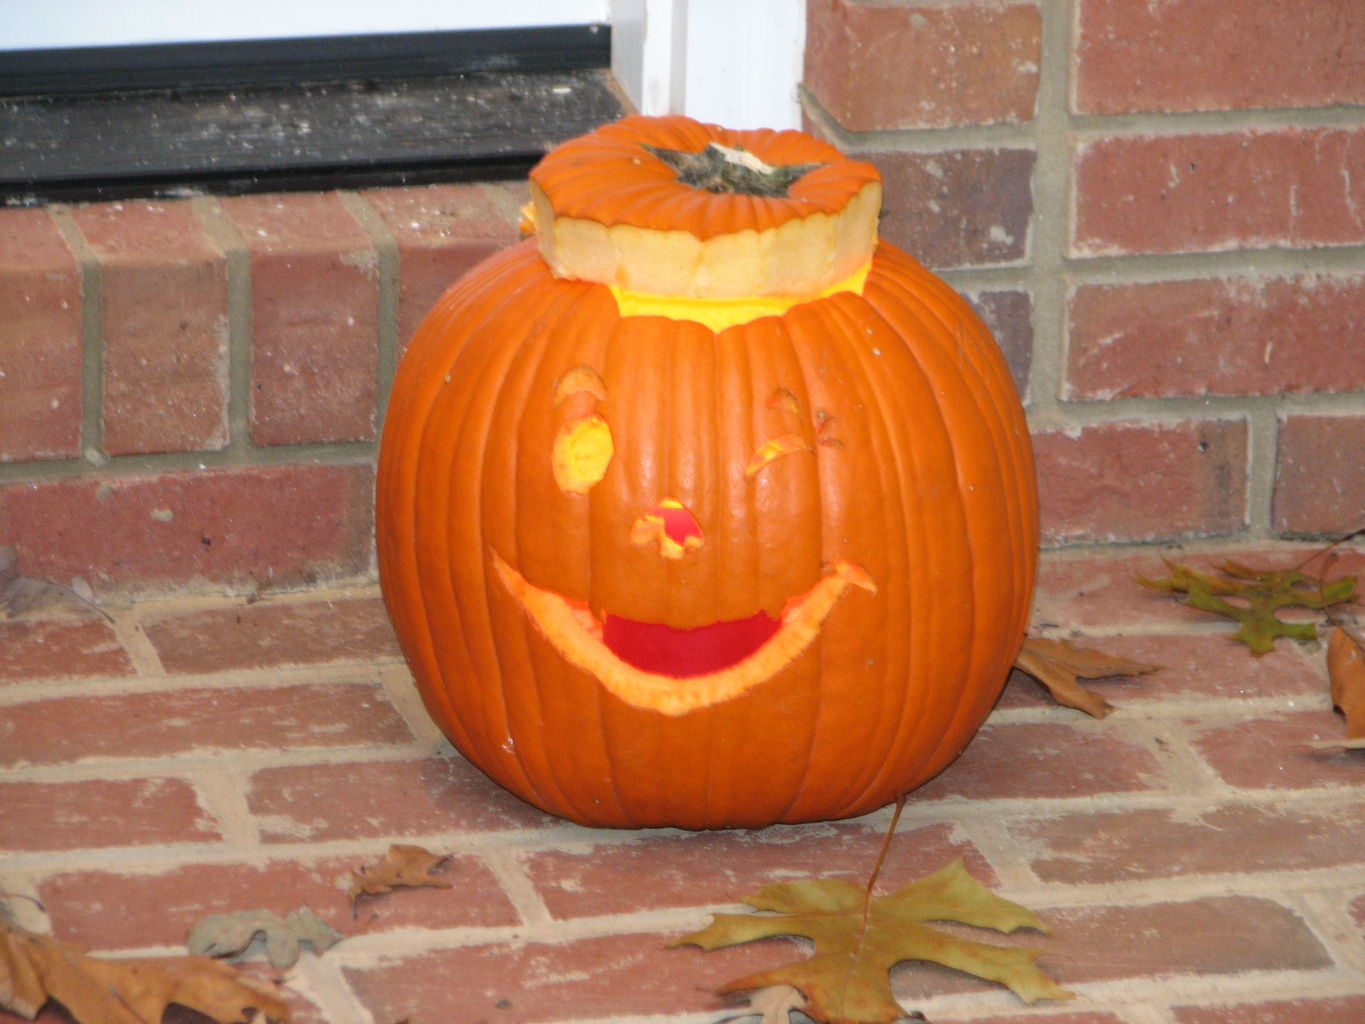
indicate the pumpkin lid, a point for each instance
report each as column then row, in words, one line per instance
column 673, row 207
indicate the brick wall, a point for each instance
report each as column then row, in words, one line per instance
column 1158, row 207
column 191, row 390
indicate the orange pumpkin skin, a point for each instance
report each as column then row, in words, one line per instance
column 902, row 451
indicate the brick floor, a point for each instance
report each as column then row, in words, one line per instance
column 1196, row 861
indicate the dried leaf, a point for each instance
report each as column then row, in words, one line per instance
column 230, row 934
column 20, row 594
column 1060, row 665
column 403, row 865
column 858, row 941
column 772, row 1005
column 1253, row 598
column 34, row 969
column 1346, row 672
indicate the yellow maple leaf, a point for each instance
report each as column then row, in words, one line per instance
column 858, row 940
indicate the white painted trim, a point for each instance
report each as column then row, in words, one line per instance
column 36, row 24
column 731, row 62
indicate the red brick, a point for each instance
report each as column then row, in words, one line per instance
column 1202, row 191
column 346, row 801
column 660, row 870
column 1215, row 935
column 60, row 647
column 1043, row 760
column 164, row 724
column 1229, row 336
column 880, row 65
column 1009, row 315
column 1143, row 843
column 1089, row 592
column 1307, row 1010
column 131, row 909
column 164, row 292
column 266, row 634
column 1191, row 667
column 442, row 231
column 1319, row 487
column 193, row 527
column 1270, row 752
column 315, row 310
column 1275, row 53
column 965, row 207
column 54, row 816
column 40, row 340
column 626, row 976
column 1131, row 481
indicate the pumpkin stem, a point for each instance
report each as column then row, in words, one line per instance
column 724, row 169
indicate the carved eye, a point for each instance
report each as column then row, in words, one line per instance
column 583, row 447
column 583, row 450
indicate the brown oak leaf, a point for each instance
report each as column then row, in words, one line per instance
column 94, row 990
column 1346, row 673
column 858, row 940
column 1060, row 665
column 403, row 865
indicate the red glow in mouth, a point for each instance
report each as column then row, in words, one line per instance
column 655, row 647
column 739, row 654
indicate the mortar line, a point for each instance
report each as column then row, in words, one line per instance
column 1052, row 188
column 92, row 343
column 324, row 983
column 388, row 271
column 128, row 631
column 517, row 885
column 239, row 313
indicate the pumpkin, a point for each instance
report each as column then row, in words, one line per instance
column 704, row 507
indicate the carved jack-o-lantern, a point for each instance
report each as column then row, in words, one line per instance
column 704, row 508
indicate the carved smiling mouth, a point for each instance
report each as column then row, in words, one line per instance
column 704, row 666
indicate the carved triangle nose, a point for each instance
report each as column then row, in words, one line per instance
column 671, row 526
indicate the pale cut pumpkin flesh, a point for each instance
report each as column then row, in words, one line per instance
column 572, row 629
column 664, row 237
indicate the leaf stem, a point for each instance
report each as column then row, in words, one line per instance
column 881, row 854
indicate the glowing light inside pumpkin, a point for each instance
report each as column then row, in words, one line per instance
column 683, row 653
column 787, row 444
column 582, row 451
column 670, row 525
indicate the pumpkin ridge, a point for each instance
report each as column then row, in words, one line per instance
column 576, row 330
column 994, row 398
column 895, row 503
column 989, row 413
column 914, row 732
column 933, row 364
column 404, row 593
column 532, row 309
